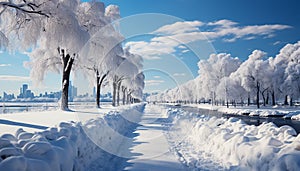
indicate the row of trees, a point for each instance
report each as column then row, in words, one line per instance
column 69, row 35
column 260, row 79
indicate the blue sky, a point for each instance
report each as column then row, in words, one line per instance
column 280, row 18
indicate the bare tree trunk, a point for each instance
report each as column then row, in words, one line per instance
column 100, row 81
column 128, row 98
column 286, row 100
column 98, row 89
column 114, row 93
column 273, row 98
column 267, row 100
column 124, row 94
column 67, row 66
column 118, row 93
column 264, row 100
column 248, row 100
column 257, row 94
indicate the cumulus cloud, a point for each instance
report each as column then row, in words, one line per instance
column 153, row 82
column 13, row 78
column 169, row 38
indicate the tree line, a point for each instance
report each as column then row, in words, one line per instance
column 259, row 79
column 68, row 35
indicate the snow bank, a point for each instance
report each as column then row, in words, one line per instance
column 275, row 111
column 69, row 146
column 255, row 112
column 230, row 144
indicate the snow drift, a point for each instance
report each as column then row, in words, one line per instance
column 230, row 144
column 69, row 146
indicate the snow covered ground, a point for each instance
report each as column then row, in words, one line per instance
column 151, row 146
column 31, row 141
column 229, row 144
column 142, row 138
column 277, row 111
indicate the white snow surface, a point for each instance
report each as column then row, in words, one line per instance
column 123, row 138
column 151, row 148
column 71, row 145
column 210, row 143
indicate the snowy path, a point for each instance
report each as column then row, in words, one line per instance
column 151, row 147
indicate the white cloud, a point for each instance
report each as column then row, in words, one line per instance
column 149, row 50
column 277, row 42
column 173, row 36
column 223, row 23
column 5, row 65
column 185, row 51
column 13, row 78
column 249, row 38
column 153, row 82
column 156, row 76
column 181, row 47
column 179, row 74
column 179, row 28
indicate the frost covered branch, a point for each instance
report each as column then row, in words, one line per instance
column 26, row 7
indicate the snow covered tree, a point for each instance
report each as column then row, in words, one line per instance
column 126, row 70
column 253, row 73
column 27, row 7
column 59, row 45
column 213, row 70
column 103, row 47
column 21, row 23
column 286, row 75
column 233, row 90
column 138, row 86
column 134, row 85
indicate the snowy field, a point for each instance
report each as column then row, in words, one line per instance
column 18, row 107
column 138, row 138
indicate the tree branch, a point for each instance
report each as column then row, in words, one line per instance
column 21, row 7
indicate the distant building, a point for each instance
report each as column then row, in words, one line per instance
column 24, row 89
column 7, row 97
column 29, row 94
column 56, row 95
column 94, row 92
column 72, row 92
column 25, row 92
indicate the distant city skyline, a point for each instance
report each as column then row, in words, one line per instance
column 26, row 93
